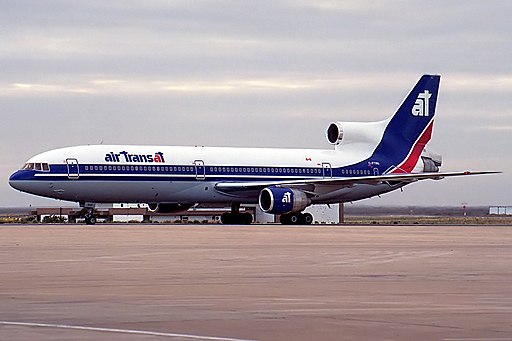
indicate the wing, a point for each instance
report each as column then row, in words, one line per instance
column 342, row 182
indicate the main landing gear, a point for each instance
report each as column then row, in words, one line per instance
column 235, row 217
column 296, row 219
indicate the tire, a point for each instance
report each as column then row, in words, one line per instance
column 246, row 219
column 295, row 219
column 307, row 218
column 226, row 218
column 90, row 220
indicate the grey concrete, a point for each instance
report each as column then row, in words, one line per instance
column 256, row 282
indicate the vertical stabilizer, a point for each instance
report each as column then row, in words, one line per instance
column 409, row 129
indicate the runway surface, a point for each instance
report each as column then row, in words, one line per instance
column 165, row 282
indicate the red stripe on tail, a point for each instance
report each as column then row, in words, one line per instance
column 408, row 165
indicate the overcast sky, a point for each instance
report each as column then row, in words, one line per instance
column 256, row 73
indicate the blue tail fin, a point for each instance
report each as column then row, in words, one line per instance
column 410, row 128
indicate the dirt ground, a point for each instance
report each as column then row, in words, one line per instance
column 266, row 282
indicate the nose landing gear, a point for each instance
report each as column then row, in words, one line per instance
column 90, row 219
column 88, row 213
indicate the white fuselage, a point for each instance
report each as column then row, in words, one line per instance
column 152, row 174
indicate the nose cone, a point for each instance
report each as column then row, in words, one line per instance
column 13, row 179
column 16, row 179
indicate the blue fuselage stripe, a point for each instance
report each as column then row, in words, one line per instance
column 101, row 172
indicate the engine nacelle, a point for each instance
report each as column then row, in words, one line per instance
column 277, row 200
column 429, row 162
column 335, row 133
column 167, row 208
column 365, row 135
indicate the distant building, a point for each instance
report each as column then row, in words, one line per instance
column 124, row 217
column 500, row 210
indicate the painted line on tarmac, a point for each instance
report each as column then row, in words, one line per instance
column 123, row 331
column 482, row 339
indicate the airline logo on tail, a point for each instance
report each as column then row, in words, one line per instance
column 420, row 107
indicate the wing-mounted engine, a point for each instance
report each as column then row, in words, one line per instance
column 277, row 200
column 167, row 207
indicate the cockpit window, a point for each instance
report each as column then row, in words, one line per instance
column 40, row 166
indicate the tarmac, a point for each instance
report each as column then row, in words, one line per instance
column 259, row 282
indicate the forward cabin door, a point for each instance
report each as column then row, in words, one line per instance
column 200, row 170
column 73, row 172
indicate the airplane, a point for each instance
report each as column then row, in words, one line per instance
column 368, row 159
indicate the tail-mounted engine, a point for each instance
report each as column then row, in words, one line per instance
column 277, row 200
column 429, row 162
column 355, row 133
column 335, row 133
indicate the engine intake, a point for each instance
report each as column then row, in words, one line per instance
column 335, row 133
column 277, row 200
column 167, row 208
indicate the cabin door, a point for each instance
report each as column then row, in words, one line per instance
column 200, row 170
column 326, row 170
column 73, row 172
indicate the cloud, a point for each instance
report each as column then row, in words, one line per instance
column 505, row 129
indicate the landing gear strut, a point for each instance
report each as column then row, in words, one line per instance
column 235, row 217
column 296, row 219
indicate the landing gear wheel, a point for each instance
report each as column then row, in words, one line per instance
column 307, row 218
column 235, row 217
column 229, row 218
column 296, row 219
column 90, row 220
column 284, row 219
column 226, row 218
column 247, row 218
